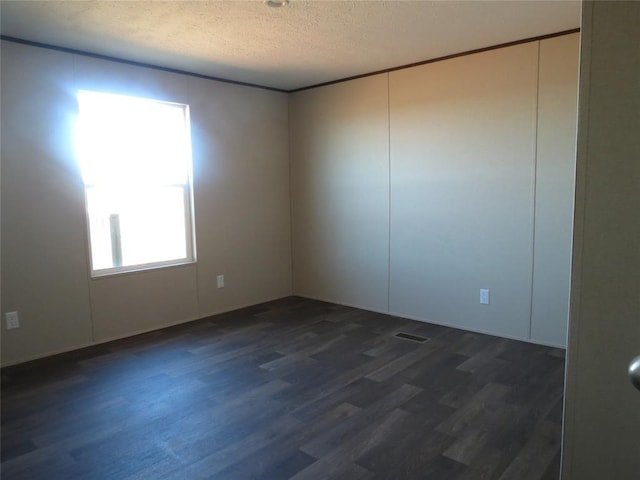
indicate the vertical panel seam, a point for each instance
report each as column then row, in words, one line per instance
column 87, row 235
column 289, row 164
column 533, row 190
column 389, row 192
column 194, row 233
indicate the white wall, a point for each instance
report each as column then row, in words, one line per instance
column 462, row 156
column 365, row 205
column 241, row 194
column 480, row 180
column 340, row 192
column 44, row 259
column 554, row 187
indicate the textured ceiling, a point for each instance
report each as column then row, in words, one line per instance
column 301, row 44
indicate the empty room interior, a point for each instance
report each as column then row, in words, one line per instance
column 320, row 240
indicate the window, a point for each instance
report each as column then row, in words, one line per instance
column 135, row 158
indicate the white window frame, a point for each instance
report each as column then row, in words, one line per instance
column 189, row 217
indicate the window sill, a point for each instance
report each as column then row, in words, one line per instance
column 140, row 270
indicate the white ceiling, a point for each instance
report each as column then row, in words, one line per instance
column 304, row 43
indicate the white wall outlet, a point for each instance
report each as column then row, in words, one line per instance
column 12, row 320
column 484, row 296
column 220, row 280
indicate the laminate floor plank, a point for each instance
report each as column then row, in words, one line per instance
column 332, row 440
column 293, row 388
column 344, row 453
column 532, row 461
column 263, row 463
column 408, row 455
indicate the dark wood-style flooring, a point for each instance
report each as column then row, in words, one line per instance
column 293, row 388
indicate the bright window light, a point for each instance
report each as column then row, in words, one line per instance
column 135, row 157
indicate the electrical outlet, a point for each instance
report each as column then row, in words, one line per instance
column 220, row 280
column 12, row 320
column 484, row 296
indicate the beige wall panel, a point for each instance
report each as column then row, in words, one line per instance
column 44, row 248
column 241, row 167
column 119, row 78
column 241, row 179
column 462, row 163
column 555, row 173
column 340, row 192
column 241, row 194
column 602, row 409
column 131, row 303
column 137, row 302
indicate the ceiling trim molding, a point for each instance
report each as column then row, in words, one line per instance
column 440, row 59
column 134, row 63
column 264, row 87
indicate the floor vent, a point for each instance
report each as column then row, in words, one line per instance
column 413, row 338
